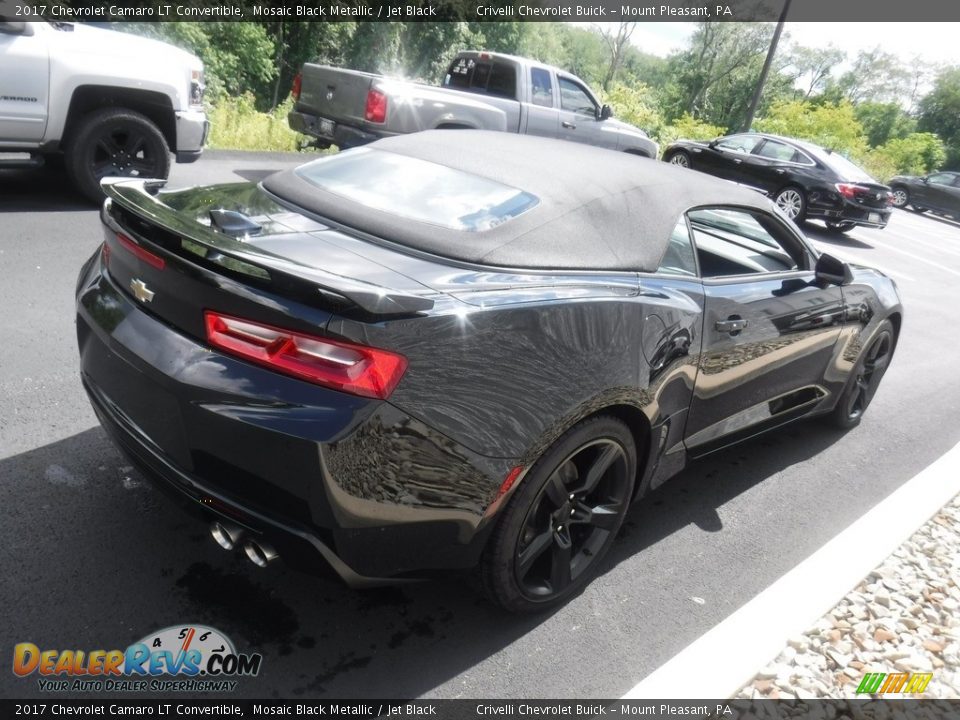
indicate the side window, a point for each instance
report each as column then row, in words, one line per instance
column 574, row 98
column 777, row 151
column 734, row 241
column 739, row 143
column 503, row 81
column 941, row 179
column 679, row 258
column 541, row 87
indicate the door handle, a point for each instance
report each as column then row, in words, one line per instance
column 780, row 171
column 568, row 125
column 737, row 160
column 733, row 325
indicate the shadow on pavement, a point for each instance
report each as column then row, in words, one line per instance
column 822, row 234
column 90, row 529
column 39, row 190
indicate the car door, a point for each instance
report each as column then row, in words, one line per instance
column 954, row 200
column 543, row 117
column 24, row 82
column 772, row 164
column 933, row 191
column 724, row 156
column 579, row 115
column 769, row 327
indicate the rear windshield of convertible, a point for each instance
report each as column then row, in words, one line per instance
column 418, row 189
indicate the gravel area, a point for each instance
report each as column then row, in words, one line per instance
column 903, row 617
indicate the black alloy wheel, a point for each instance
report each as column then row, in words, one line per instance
column 115, row 142
column 563, row 519
column 865, row 378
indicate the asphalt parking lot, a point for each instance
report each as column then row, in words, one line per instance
column 92, row 557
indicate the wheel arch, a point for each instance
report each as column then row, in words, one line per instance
column 155, row 106
column 639, row 425
column 638, row 152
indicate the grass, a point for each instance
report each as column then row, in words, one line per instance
column 237, row 125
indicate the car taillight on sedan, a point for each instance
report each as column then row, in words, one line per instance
column 376, row 109
column 348, row 367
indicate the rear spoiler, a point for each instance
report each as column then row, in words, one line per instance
column 139, row 196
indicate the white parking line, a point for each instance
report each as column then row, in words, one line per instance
column 939, row 266
column 737, row 648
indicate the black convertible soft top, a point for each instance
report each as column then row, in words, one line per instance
column 597, row 209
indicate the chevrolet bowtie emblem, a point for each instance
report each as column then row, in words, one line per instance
column 140, row 290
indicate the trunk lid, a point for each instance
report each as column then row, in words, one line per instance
column 164, row 250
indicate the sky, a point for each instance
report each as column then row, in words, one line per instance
column 932, row 42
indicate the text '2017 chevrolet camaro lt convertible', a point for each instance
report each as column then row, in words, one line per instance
column 455, row 349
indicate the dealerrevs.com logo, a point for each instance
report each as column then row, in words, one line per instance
column 186, row 658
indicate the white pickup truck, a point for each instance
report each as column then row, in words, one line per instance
column 111, row 103
column 480, row 91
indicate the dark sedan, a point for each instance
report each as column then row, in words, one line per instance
column 938, row 193
column 806, row 182
column 428, row 354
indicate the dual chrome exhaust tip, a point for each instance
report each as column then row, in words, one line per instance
column 229, row 536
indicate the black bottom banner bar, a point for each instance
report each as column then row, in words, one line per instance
column 894, row 709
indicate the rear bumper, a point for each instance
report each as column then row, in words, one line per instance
column 848, row 211
column 322, row 476
column 343, row 136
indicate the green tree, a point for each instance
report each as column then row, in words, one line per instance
column 884, row 121
column 876, row 75
column 835, row 127
column 940, row 113
column 238, row 56
column 812, row 66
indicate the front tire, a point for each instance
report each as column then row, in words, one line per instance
column 792, row 202
column 679, row 157
column 115, row 142
column 901, row 196
column 561, row 521
column 865, row 379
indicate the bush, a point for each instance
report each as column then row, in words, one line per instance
column 635, row 105
column 237, row 125
column 835, row 127
column 688, row 128
column 916, row 154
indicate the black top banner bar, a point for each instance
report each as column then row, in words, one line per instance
column 853, row 11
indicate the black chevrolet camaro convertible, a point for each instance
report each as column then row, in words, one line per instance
column 450, row 349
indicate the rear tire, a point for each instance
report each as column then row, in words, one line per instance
column 792, row 202
column 901, row 196
column 864, row 379
column 561, row 521
column 115, row 142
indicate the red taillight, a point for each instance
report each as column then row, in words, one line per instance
column 847, row 190
column 297, row 86
column 355, row 369
column 148, row 257
column 376, row 110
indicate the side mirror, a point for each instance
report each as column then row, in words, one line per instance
column 831, row 271
column 713, row 143
column 925, row 180
column 12, row 28
column 606, row 112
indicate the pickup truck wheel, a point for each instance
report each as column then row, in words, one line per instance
column 115, row 142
